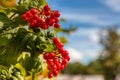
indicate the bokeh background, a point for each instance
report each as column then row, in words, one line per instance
column 97, row 34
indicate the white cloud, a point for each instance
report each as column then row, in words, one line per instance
column 92, row 34
column 86, row 57
column 75, row 55
column 113, row 4
column 85, row 18
column 95, row 38
column 93, row 54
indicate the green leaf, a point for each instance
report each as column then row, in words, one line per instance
column 49, row 48
column 42, row 2
column 20, row 21
column 6, row 21
column 22, row 8
column 20, row 67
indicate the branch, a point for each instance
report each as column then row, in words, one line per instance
column 12, row 16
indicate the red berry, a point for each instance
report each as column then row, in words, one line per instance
column 52, row 15
column 39, row 19
column 52, row 55
column 47, row 20
column 34, row 11
column 65, row 61
column 56, row 13
column 60, row 44
column 56, row 20
column 56, row 61
column 34, row 21
column 58, row 66
column 56, row 40
column 50, row 75
column 55, row 72
column 30, row 20
column 28, row 14
column 54, row 67
column 44, row 27
column 57, row 25
column 46, row 56
column 61, row 49
column 50, row 61
column 64, row 53
column 35, row 17
column 68, row 58
column 51, row 22
column 62, row 67
column 24, row 16
column 32, row 26
column 47, row 13
column 49, row 67
column 46, row 8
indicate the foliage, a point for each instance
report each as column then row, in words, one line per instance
column 75, row 68
column 22, row 46
column 110, row 57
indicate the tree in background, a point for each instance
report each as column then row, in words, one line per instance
column 75, row 68
column 110, row 56
column 94, row 68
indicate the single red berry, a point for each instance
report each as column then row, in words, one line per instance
column 28, row 14
column 34, row 11
column 35, row 17
column 55, row 72
column 61, row 49
column 64, row 53
column 56, row 40
column 52, row 15
column 44, row 27
column 47, row 13
column 34, row 21
column 50, row 61
column 54, row 67
column 57, row 25
column 47, row 8
column 56, row 20
column 68, row 58
column 65, row 61
column 51, row 22
column 39, row 24
column 60, row 44
column 62, row 67
column 46, row 56
column 49, row 67
column 59, row 66
column 56, row 61
column 56, row 13
column 30, row 20
column 24, row 16
column 52, row 55
column 50, row 75
column 32, row 26
column 47, row 20
column 39, row 19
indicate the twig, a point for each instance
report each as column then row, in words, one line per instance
column 12, row 16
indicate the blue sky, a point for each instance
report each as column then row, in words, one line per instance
column 89, row 16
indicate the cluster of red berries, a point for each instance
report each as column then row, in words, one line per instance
column 64, row 53
column 42, row 18
column 56, row 63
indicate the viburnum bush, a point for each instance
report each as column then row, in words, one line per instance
column 28, row 43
